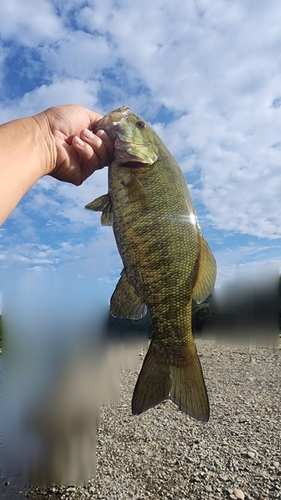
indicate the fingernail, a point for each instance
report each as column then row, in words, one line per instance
column 79, row 141
column 87, row 133
column 100, row 133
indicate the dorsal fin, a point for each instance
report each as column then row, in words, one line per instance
column 206, row 274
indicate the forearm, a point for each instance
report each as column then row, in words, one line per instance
column 25, row 156
column 57, row 141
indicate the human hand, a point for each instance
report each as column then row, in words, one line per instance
column 75, row 151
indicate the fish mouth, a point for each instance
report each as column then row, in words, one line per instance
column 133, row 164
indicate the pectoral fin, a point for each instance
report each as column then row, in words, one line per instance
column 102, row 204
column 135, row 189
column 125, row 303
column 206, row 274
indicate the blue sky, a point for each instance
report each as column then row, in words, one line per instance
column 205, row 74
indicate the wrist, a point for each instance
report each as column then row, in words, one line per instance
column 45, row 143
column 27, row 153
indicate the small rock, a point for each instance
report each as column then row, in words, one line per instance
column 238, row 494
column 251, row 454
column 209, row 488
column 194, row 479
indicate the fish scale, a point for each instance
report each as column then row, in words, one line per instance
column 166, row 260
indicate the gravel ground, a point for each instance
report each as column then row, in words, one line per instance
column 165, row 454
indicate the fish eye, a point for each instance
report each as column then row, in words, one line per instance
column 140, row 124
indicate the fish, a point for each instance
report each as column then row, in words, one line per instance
column 167, row 262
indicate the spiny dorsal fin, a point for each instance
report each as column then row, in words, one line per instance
column 102, row 204
column 206, row 274
column 125, row 303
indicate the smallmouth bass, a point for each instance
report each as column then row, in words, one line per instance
column 167, row 262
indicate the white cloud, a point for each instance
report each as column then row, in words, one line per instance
column 3, row 54
column 78, row 53
column 29, row 23
column 59, row 92
column 215, row 64
column 229, row 262
column 56, row 200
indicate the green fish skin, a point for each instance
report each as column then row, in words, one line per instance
column 167, row 262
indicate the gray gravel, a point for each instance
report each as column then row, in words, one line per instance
column 165, row 454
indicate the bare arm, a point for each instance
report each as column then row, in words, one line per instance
column 58, row 142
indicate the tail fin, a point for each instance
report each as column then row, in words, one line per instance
column 188, row 388
column 183, row 383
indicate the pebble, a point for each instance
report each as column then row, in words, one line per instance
column 238, row 494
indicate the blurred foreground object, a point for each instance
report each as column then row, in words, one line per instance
column 59, row 366
column 245, row 310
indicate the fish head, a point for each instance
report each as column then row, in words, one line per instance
column 135, row 144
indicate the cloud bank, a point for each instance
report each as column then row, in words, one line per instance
column 206, row 75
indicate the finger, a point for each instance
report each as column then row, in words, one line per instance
column 101, row 144
column 109, row 144
column 85, row 150
column 94, row 118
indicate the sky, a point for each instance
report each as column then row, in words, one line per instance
column 206, row 75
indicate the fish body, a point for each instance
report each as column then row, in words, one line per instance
column 167, row 262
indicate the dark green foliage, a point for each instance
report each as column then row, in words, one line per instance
column 199, row 315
